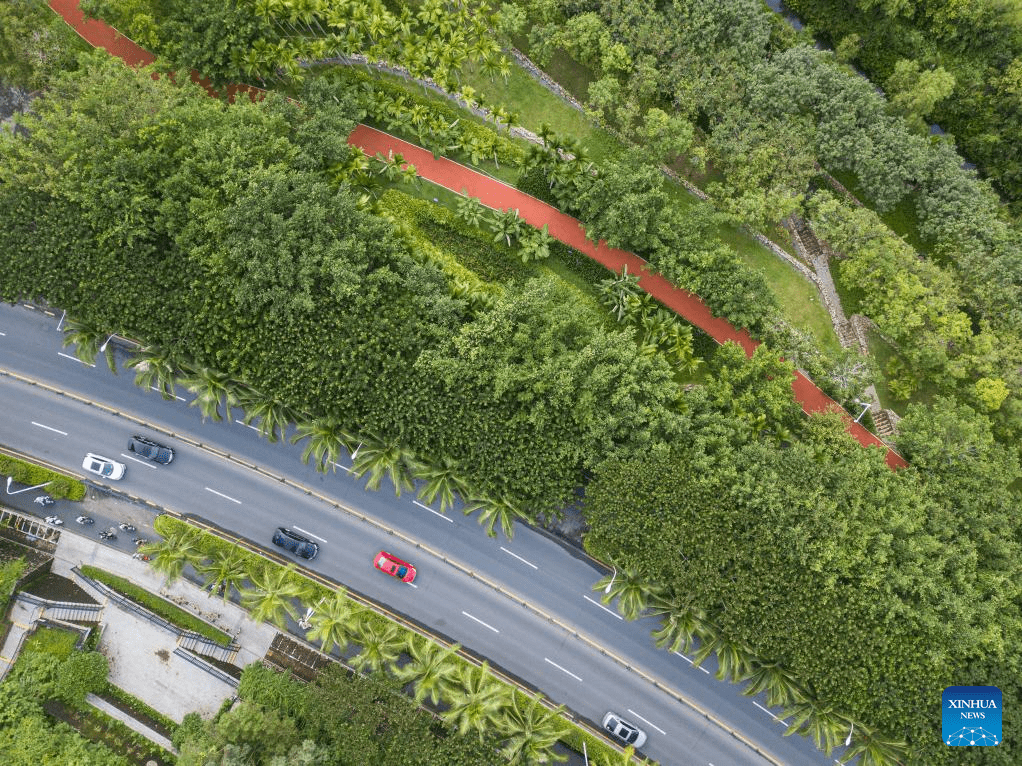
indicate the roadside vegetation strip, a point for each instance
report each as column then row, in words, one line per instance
column 319, row 579
column 157, row 605
column 213, row 543
column 32, row 471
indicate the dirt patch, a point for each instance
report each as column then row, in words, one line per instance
column 56, row 588
column 163, row 654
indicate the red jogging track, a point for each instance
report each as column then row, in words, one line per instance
column 496, row 194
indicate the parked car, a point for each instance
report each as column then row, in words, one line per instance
column 395, row 567
column 296, row 543
column 150, row 450
column 624, row 732
column 103, row 466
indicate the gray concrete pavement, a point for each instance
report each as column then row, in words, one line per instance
column 141, row 653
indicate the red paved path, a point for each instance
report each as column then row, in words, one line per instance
column 496, row 194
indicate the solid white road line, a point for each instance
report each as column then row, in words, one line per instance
column 563, row 670
column 3, row 334
column 650, row 725
column 243, row 423
column 306, row 532
column 765, row 710
column 690, row 662
column 509, row 553
column 146, row 463
column 608, row 611
column 338, row 465
column 74, row 358
column 480, row 622
column 443, row 516
column 154, row 388
column 48, row 428
column 225, row 497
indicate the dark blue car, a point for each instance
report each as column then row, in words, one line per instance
column 150, row 450
column 294, row 542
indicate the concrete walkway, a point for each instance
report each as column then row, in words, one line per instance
column 140, row 652
column 23, row 615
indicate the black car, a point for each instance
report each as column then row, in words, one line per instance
column 294, row 542
column 150, row 450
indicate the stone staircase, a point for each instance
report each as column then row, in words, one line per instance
column 886, row 422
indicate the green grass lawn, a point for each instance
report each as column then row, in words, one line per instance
column 571, row 75
column 535, row 105
column 58, row 643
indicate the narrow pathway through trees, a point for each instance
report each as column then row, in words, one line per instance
column 497, row 194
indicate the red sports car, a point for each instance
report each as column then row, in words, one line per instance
column 395, row 567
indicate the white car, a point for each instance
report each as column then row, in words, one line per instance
column 623, row 731
column 103, row 466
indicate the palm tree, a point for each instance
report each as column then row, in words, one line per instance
column 535, row 245
column 545, row 134
column 624, row 757
column 379, row 458
column 470, row 210
column 88, row 340
column 156, row 368
column 505, row 224
column 273, row 594
column 871, row 750
column 633, row 593
column 441, row 481
column 327, row 438
column 226, row 570
column 734, row 660
column 430, row 668
column 476, row 700
column 780, row 685
column 532, row 730
column 502, row 511
column 614, row 293
column 273, row 416
column 381, row 643
column 390, row 167
column 178, row 548
column 679, row 626
column 812, row 719
column 333, row 622
column 212, row 389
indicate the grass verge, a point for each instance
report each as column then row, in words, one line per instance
column 57, row 484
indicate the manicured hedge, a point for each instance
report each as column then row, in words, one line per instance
column 157, row 605
column 62, row 487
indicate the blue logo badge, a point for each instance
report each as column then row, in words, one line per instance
column 971, row 716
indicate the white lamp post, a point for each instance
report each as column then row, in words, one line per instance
column 26, row 489
column 865, row 407
column 611, row 583
column 103, row 347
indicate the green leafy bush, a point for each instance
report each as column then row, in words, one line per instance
column 60, row 486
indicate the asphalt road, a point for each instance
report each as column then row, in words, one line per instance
column 566, row 660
